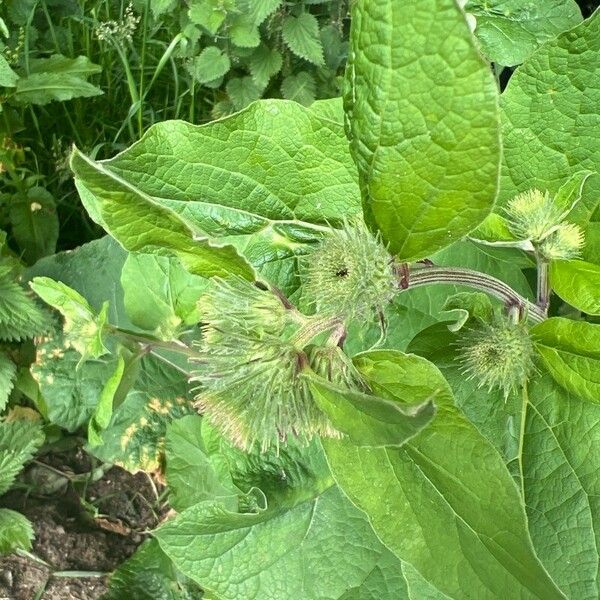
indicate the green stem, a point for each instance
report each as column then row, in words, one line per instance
column 522, row 424
column 150, row 343
column 543, row 284
column 422, row 276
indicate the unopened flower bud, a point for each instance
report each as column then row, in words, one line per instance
column 350, row 274
column 564, row 243
column 532, row 215
column 498, row 355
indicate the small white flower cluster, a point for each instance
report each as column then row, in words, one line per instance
column 123, row 29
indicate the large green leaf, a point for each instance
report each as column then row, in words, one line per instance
column 510, row 30
column 571, row 354
column 140, row 224
column 444, row 502
column 423, row 118
column 578, row 283
column 562, row 489
column 267, row 179
column 318, row 549
column 278, row 551
column 93, row 270
column 160, row 296
column 150, row 575
column 551, row 125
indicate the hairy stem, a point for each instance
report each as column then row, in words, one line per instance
column 543, row 284
column 422, row 276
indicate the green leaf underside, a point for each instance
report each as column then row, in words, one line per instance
column 18, row 442
column 266, row 179
column 562, row 488
column 368, row 420
column 551, row 126
column 570, row 351
column 510, row 30
column 139, row 224
column 423, row 117
column 444, row 502
column 578, row 283
column 16, row 532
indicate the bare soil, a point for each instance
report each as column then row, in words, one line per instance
column 83, row 529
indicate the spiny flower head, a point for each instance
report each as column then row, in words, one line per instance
column 532, row 215
column 250, row 366
column 564, row 243
column 497, row 355
column 350, row 274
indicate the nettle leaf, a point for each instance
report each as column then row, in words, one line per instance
column 423, row 117
column 561, row 459
column 20, row 316
column 8, row 370
column 34, row 223
column 301, row 35
column 264, row 64
column 126, row 212
column 450, row 478
column 510, row 30
column 8, row 78
column 150, row 575
column 18, row 442
column 159, row 294
column 259, row 10
column 244, row 32
column 212, row 63
column 300, row 87
column 69, row 387
column 578, row 283
column 83, row 328
column 570, row 351
column 134, row 438
column 268, row 179
column 16, row 532
column 370, row 421
column 208, row 13
column 242, row 91
column 551, row 128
